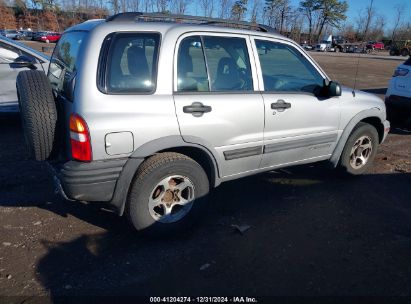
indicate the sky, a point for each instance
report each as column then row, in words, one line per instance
column 386, row 8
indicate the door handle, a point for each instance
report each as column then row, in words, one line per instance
column 280, row 105
column 197, row 109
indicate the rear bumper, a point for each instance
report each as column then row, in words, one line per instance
column 94, row 181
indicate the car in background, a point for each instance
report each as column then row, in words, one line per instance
column 15, row 57
column 398, row 96
column 25, row 35
column 12, row 34
column 47, row 37
column 372, row 45
column 306, row 46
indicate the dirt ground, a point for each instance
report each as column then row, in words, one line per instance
column 312, row 232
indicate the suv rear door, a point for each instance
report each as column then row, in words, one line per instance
column 217, row 100
column 299, row 126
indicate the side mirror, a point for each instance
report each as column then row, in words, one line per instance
column 23, row 62
column 334, row 89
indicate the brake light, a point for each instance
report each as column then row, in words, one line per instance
column 80, row 139
column 400, row 72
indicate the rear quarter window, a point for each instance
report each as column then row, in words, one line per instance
column 128, row 63
column 63, row 63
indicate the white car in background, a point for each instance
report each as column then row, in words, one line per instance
column 15, row 57
column 398, row 96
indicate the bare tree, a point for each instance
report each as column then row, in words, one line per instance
column 399, row 14
column 162, row 6
column 255, row 11
column 369, row 16
column 276, row 13
column 238, row 10
column 378, row 28
column 225, row 9
column 134, row 5
column 180, row 6
column 116, row 6
column 310, row 9
column 207, row 6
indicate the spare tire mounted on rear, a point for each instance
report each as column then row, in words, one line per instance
column 38, row 113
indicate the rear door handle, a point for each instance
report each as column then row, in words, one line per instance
column 197, row 109
column 280, row 105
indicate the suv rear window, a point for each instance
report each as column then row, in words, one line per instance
column 63, row 62
column 131, row 65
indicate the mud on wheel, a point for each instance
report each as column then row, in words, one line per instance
column 38, row 113
column 168, row 194
column 360, row 149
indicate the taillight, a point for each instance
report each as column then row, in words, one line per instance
column 400, row 72
column 80, row 139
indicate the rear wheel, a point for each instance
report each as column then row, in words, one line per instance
column 168, row 194
column 405, row 52
column 360, row 150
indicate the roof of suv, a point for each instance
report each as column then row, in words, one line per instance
column 166, row 26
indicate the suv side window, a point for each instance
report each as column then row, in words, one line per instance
column 285, row 69
column 191, row 66
column 132, row 63
column 216, row 64
column 228, row 64
column 63, row 62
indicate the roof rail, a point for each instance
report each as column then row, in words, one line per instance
column 128, row 16
column 138, row 16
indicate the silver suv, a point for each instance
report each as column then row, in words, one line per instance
column 149, row 114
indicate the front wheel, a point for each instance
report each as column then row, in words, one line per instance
column 168, row 194
column 360, row 150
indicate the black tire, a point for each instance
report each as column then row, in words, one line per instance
column 360, row 131
column 393, row 52
column 153, row 171
column 38, row 113
column 405, row 53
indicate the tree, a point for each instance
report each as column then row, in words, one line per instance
column 224, row 11
column 207, row 7
column 255, row 11
column 399, row 9
column 8, row 20
column 180, row 6
column 162, row 6
column 332, row 13
column 368, row 19
column 276, row 12
column 238, row 10
column 310, row 8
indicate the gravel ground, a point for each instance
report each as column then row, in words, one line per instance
column 311, row 232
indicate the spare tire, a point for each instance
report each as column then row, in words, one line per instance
column 38, row 113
